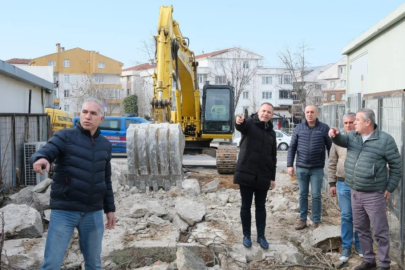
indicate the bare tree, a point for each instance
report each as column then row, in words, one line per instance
column 87, row 86
column 297, row 67
column 238, row 67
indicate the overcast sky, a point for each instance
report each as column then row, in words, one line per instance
column 119, row 29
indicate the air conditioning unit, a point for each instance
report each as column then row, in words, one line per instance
column 31, row 177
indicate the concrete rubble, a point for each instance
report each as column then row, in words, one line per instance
column 188, row 228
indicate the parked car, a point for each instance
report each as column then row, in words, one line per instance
column 282, row 138
column 114, row 128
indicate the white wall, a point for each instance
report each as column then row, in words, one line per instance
column 384, row 65
column 15, row 96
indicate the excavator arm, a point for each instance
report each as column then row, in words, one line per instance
column 175, row 64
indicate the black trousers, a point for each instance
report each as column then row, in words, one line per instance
column 246, row 193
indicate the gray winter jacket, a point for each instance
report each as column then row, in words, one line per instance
column 366, row 163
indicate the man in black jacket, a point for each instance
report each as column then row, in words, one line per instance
column 309, row 141
column 81, row 187
column 256, row 169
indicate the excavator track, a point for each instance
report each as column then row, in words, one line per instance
column 226, row 158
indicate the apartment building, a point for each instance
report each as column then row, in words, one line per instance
column 241, row 68
column 79, row 74
column 334, row 86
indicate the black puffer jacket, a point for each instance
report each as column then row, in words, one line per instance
column 309, row 144
column 257, row 159
column 82, row 178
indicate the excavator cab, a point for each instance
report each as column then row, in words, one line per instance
column 218, row 111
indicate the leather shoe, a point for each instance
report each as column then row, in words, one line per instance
column 302, row 224
column 366, row 265
column 246, row 241
column 263, row 242
column 383, row 268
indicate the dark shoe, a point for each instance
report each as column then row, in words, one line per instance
column 246, row 241
column 263, row 242
column 366, row 265
column 383, row 268
column 302, row 224
column 316, row 225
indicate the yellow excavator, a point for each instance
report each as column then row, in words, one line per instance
column 183, row 117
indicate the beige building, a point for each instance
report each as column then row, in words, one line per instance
column 79, row 74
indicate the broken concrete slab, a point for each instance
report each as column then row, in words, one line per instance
column 42, row 186
column 183, row 207
column 211, row 186
column 21, row 221
column 187, row 260
column 191, row 187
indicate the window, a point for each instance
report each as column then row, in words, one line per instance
column 332, row 84
column 114, row 93
column 342, row 83
column 55, row 79
column 66, row 107
column 66, row 78
column 279, row 134
column 284, row 94
column 66, row 63
column 202, row 78
column 245, row 64
column 332, row 97
column 342, row 70
column 287, row 79
column 66, row 93
column 266, row 95
column 267, row 80
column 111, row 124
column 99, row 79
column 127, row 92
column 245, row 109
column 101, row 65
column 280, row 79
column 219, row 64
column 318, row 86
column 342, row 96
column 55, row 93
column 51, row 63
column 220, row 80
column 245, row 95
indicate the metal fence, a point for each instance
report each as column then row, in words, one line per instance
column 15, row 130
column 389, row 111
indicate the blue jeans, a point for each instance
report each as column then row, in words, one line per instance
column 346, row 227
column 315, row 177
column 90, row 227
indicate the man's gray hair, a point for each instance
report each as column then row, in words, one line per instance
column 349, row 114
column 368, row 114
column 267, row 103
column 101, row 105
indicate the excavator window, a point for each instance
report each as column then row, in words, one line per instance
column 218, row 110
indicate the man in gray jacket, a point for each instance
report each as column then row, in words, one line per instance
column 368, row 152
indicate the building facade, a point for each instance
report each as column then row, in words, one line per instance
column 241, row 68
column 334, row 86
column 79, row 74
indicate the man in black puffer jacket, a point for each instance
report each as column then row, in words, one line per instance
column 309, row 141
column 256, row 169
column 81, row 187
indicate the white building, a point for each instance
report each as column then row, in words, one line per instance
column 334, row 78
column 22, row 90
column 241, row 68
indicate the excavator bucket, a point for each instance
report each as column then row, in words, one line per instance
column 155, row 155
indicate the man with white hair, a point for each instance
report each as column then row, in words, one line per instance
column 81, row 187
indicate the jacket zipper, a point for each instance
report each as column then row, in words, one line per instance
column 93, row 169
column 309, row 148
column 355, row 166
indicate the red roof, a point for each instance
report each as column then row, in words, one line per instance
column 144, row 66
column 205, row 55
column 23, row 61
